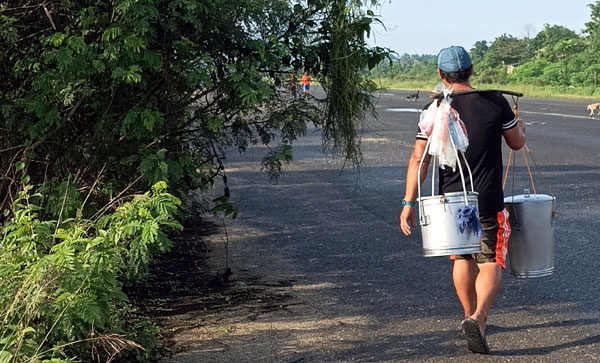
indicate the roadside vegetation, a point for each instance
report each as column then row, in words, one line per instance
column 557, row 62
column 112, row 113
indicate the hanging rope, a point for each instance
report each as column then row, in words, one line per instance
column 505, row 177
column 528, row 169
column 515, row 98
column 537, row 169
column 512, row 155
column 526, row 151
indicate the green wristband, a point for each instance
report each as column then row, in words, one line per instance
column 408, row 202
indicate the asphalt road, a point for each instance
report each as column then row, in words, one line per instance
column 334, row 235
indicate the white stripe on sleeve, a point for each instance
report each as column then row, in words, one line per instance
column 509, row 125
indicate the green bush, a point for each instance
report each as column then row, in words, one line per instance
column 490, row 75
column 529, row 72
column 61, row 281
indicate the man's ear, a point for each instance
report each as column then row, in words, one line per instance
column 439, row 72
column 471, row 70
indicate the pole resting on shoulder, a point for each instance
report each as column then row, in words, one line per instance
column 439, row 96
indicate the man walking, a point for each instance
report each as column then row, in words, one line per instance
column 488, row 118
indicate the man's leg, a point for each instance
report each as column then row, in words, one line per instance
column 464, row 274
column 490, row 263
column 487, row 286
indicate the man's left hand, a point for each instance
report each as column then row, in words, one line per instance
column 407, row 220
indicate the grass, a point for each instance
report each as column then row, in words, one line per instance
column 527, row 90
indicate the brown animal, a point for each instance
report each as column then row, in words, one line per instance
column 594, row 106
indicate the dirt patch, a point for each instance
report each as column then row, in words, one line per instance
column 193, row 295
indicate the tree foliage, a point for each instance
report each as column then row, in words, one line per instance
column 104, row 100
column 551, row 35
column 592, row 28
column 506, row 50
column 111, row 91
column 408, row 66
column 349, row 92
column 480, row 48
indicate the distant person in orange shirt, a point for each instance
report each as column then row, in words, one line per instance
column 305, row 83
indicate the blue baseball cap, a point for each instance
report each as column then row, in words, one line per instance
column 453, row 59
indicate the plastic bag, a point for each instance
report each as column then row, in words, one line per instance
column 442, row 124
column 467, row 220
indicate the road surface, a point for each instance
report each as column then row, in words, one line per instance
column 356, row 289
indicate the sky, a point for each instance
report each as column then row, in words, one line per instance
column 426, row 26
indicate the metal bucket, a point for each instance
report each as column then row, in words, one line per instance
column 439, row 227
column 438, row 214
column 531, row 243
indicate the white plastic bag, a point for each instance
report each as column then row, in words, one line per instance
column 441, row 123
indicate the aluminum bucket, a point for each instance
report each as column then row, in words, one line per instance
column 439, row 227
column 531, row 243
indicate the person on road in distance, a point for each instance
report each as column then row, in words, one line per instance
column 488, row 117
column 305, row 83
column 292, row 84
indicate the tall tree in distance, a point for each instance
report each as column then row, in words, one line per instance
column 478, row 51
column 551, row 35
column 507, row 49
column 555, row 41
column 592, row 28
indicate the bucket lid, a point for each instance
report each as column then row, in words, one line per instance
column 531, row 198
column 451, row 195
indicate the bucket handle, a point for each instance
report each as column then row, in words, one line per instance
column 512, row 155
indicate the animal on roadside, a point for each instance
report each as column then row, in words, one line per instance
column 413, row 96
column 594, row 106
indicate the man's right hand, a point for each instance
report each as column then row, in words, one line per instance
column 407, row 219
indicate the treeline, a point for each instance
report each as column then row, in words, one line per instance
column 113, row 112
column 556, row 56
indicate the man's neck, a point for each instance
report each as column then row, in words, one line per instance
column 457, row 87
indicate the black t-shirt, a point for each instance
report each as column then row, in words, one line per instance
column 486, row 115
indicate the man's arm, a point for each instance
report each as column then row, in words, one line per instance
column 515, row 137
column 407, row 217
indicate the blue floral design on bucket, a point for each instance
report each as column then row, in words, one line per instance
column 468, row 220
